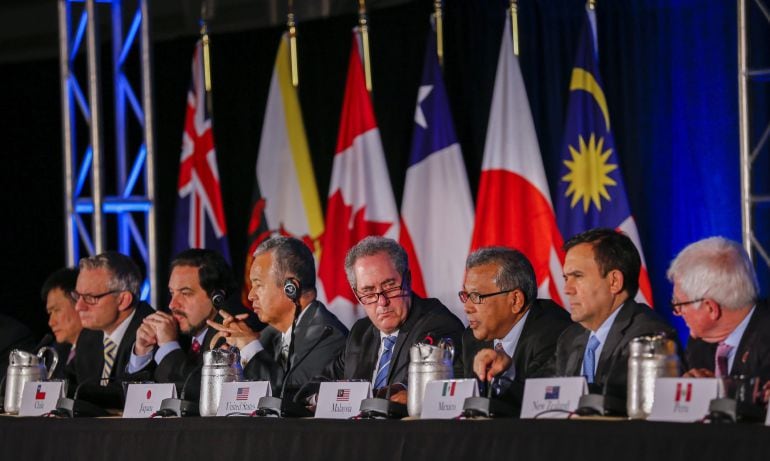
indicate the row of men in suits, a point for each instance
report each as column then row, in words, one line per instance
column 512, row 335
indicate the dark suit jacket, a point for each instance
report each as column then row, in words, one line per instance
column 13, row 335
column 633, row 320
column 182, row 363
column 62, row 371
column 89, row 363
column 534, row 351
column 309, row 355
column 752, row 358
column 426, row 317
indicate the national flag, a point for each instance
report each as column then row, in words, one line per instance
column 449, row 389
column 551, row 392
column 242, row 393
column 361, row 201
column 683, row 392
column 513, row 207
column 590, row 190
column 39, row 393
column 343, row 395
column 437, row 208
column 285, row 200
column 200, row 216
column 149, row 394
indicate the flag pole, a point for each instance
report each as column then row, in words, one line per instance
column 439, row 19
column 292, row 26
column 515, row 26
column 364, row 30
column 206, row 13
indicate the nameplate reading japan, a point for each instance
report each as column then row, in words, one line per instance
column 39, row 397
column 341, row 399
column 683, row 399
column 143, row 400
column 242, row 397
column 444, row 399
column 552, row 397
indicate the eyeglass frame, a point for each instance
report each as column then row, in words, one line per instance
column 385, row 293
column 481, row 297
column 676, row 308
column 91, row 300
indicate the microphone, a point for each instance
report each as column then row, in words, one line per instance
column 47, row 340
column 218, row 299
column 489, row 407
column 73, row 408
column 180, row 406
column 378, row 407
column 603, row 404
column 271, row 406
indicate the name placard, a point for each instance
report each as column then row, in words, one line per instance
column 552, row 397
column 341, row 399
column 143, row 400
column 242, row 396
column 39, row 397
column 444, row 399
column 683, row 399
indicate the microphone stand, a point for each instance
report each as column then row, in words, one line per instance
column 487, row 406
column 74, row 408
column 378, row 407
column 180, row 406
column 603, row 404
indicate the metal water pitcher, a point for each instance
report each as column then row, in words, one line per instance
column 427, row 363
column 649, row 357
column 24, row 367
column 220, row 366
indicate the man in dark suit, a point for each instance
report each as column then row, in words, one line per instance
column 715, row 291
column 200, row 281
column 283, row 271
column 377, row 349
column 63, row 319
column 601, row 278
column 13, row 335
column 510, row 333
column 107, row 301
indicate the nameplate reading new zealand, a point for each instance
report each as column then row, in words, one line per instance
column 552, row 397
column 39, row 397
column 341, row 399
column 143, row 400
column 242, row 397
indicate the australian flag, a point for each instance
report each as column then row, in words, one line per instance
column 552, row 393
column 200, row 216
column 591, row 192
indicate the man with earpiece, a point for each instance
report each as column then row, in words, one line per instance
column 200, row 282
column 283, row 279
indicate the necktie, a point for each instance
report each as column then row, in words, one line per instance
column 109, row 359
column 284, row 354
column 71, row 355
column 589, row 359
column 384, row 366
column 499, row 346
column 196, row 346
column 723, row 351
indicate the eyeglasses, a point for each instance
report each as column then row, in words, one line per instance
column 91, row 299
column 677, row 307
column 371, row 298
column 478, row 298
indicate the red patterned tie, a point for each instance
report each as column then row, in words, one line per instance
column 723, row 350
column 196, row 346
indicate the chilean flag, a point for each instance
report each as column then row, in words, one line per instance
column 514, row 204
column 361, row 201
column 437, row 209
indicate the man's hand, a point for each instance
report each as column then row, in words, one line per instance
column 234, row 329
column 698, row 373
column 145, row 339
column 489, row 363
column 166, row 328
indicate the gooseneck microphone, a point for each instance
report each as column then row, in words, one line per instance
column 271, row 406
column 378, row 407
column 180, row 406
column 604, row 404
column 73, row 408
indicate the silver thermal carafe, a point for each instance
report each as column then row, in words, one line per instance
column 649, row 357
column 427, row 363
column 220, row 366
column 24, row 367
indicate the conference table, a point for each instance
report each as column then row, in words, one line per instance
column 310, row 439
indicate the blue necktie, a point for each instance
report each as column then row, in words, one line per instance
column 589, row 359
column 384, row 366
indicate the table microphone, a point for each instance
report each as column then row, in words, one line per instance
column 73, row 408
column 271, row 406
column 603, row 404
column 180, row 406
column 377, row 407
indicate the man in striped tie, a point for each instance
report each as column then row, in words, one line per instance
column 107, row 300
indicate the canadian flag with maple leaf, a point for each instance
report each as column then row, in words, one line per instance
column 361, row 201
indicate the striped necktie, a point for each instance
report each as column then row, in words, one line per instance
column 384, row 366
column 109, row 359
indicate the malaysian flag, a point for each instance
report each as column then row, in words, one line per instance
column 551, row 392
column 200, row 216
column 242, row 393
column 343, row 395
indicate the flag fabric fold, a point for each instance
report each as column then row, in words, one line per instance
column 361, row 201
column 437, row 208
column 591, row 192
column 200, row 216
column 513, row 206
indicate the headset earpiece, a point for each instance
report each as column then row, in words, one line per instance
column 218, row 298
column 291, row 288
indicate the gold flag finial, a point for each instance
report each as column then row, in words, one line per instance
column 592, row 4
column 515, row 26
column 364, row 30
column 292, row 26
column 439, row 21
column 206, row 62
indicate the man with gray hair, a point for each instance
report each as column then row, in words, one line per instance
column 107, row 300
column 511, row 334
column 715, row 291
column 377, row 348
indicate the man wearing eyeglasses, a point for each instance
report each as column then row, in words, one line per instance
column 715, row 291
column 511, row 334
column 377, row 348
column 107, row 300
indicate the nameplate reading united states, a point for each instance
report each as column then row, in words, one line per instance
column 242, row 397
